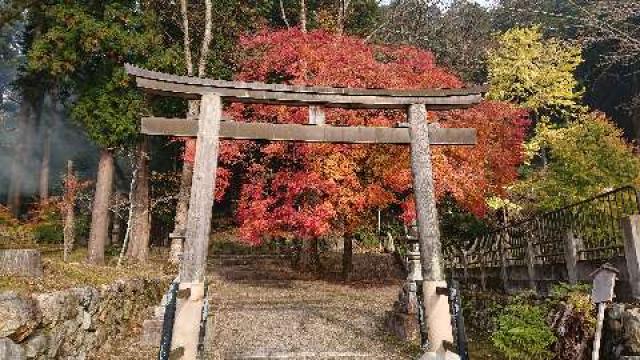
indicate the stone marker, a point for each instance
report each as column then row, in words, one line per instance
column 20, row 262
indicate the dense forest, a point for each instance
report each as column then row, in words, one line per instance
column 559, row 123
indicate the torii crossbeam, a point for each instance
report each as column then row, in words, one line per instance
column 211, row 127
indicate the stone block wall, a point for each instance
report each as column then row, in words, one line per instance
column 77, row 323
column 621, row 333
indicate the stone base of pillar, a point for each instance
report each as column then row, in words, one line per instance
column 403, row 321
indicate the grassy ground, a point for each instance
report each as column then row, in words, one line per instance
column 59, row 275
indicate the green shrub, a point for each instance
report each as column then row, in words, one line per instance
column 367, row 237
column 523, row 334
column 46, row 223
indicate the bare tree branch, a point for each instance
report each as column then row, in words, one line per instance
column 303, row 16
column 184, row 10
column 206, row 39
column 283, row 14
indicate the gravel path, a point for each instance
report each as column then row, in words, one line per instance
column 260, row 309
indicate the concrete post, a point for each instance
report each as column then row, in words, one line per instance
column 436, row 305
column 571, row 252
column 186, row 331
column 631, row 231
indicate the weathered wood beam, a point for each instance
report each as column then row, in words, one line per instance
column 235, row 91
column 308, row 133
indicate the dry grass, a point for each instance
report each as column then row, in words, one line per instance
column 59, row 275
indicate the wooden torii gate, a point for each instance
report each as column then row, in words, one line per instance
column 211, row 127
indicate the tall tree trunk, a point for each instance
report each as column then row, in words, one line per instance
column 186, row 38
column 139, row 248
column 347, row 258
column 68, row 224
column 303, row 16
column 44, row 166
column 283, row 14
column 309, row 258
column 100, row 211
column 206, row 39
column 117, row 221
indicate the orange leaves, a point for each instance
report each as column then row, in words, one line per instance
column 309, row 190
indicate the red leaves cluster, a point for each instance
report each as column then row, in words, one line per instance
column 309, row 190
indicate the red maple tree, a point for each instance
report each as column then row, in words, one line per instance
column 296, row 190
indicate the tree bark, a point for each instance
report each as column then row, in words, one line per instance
column 184, row 11
column 44, row 166
column 206, row 39
column 100, row 210
column 342, row 15
column 283, row 14
column 303, row 16
column 117, row 221
column 139, row 248
column 347, row 258
column 68, row 224
column 309, row 258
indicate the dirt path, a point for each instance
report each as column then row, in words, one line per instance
column 260, row 309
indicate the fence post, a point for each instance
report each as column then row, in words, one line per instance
column 531, row 264
column 483, row 274
column 465, row 267
column 503, row 264
column 571, row 251
column 631, row 231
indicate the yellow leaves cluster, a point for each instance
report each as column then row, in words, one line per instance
column 535, row 73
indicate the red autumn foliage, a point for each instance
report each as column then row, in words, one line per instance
column 309, row 190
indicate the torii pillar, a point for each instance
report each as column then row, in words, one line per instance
column 436, row 306
column 194, row 259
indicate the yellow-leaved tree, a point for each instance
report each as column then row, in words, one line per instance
column 572, row 153
column 536, row 73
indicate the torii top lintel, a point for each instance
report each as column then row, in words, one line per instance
column 255, row 92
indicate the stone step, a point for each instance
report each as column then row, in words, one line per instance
column 303, row 355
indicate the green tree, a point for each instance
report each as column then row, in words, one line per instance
column 587, row 157
column 535, row 73
column 82, row 47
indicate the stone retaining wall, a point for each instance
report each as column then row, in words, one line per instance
column 77, row 323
